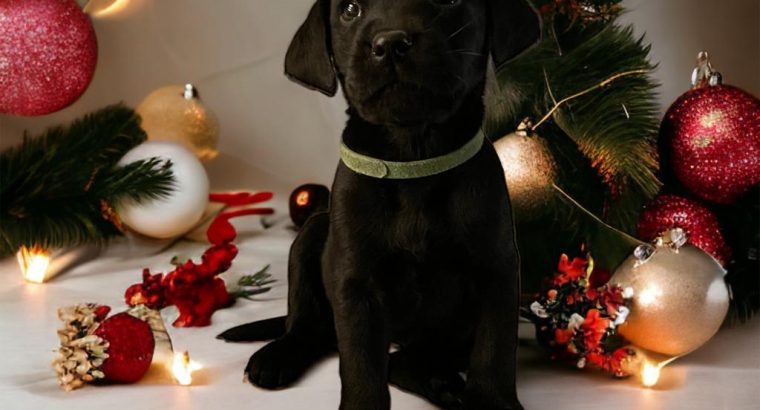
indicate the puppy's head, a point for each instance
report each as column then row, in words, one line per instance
column 407, row 61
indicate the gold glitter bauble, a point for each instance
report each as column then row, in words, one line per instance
column 175, row 114
column 680, row 298
column 528, row 169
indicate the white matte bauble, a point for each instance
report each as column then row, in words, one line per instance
column 176, row 214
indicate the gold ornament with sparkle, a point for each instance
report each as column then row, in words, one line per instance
column 176, row 114
column 528, row 168
column 680, row 297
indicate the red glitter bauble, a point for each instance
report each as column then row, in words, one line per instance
column 700, row 224
column 130, row 349
column 48, row 54
column 713, row 135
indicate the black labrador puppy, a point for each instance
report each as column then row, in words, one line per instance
column 427, row 264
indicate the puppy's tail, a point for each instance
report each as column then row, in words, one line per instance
column 255, row 331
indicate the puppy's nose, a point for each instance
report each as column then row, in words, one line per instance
column 394, row 43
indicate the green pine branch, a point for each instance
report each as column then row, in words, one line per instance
column 52, row 186
column 603, row 142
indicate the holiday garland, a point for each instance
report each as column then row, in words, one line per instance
column 58, row 189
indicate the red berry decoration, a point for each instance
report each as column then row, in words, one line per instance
column 712, row 133
column 48, row 55
column 130, row 348
column 700, row 224
column 94, row 348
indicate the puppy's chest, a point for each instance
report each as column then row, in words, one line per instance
column 420, row 221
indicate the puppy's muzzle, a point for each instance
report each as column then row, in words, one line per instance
column 391, row 44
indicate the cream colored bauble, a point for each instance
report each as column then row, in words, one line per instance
column 528, row 169
column 176, row 114
column 680, row 297
column 176, row 214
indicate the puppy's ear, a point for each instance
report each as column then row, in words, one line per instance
column 515, row 26
column 309, row 58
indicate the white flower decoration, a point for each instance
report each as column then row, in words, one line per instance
column 575, row 322
column 538, row 310
column 622, row 315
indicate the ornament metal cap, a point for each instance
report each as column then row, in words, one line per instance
column 643, row 253
column 190, row 92
column 704, row 74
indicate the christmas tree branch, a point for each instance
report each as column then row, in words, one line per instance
column 53, row 187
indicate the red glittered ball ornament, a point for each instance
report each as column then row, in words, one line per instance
column 130, row 348
column 713, row 135
column 48, row 53
column 700, row 224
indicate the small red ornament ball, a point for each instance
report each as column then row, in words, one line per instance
column 48, row 54
column 700, row 224
column 713, row 134
column 130, row 349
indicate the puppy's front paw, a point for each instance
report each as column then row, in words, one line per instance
column 279, row 364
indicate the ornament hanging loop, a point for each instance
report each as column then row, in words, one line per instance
column 703, row 73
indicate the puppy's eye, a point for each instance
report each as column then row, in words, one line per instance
column 351, row 11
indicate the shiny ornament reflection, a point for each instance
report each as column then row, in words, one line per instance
column 529, row 170
column 176, row 114
column 680, row 298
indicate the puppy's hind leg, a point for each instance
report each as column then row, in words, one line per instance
column 309, row 330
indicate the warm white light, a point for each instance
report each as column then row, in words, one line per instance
column 33, row 263
column 650, row 374
column 103, row 8
column 183, row 368
column 649, row 296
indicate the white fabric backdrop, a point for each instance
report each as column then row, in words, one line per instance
column 276, row 134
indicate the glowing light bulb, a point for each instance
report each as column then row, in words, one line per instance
column 650, row 374
column 103, row 8
column 302, row 199
column 183, row 368
column 34, row 263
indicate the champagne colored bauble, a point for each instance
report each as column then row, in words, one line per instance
column 48, row 54
column 712, row 133
column 680, row 298
column 529, row 170
column 176, row 214
column 176, row 114
column 699, row 222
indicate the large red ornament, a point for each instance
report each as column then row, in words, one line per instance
column 130, row 349
column 48, row 54
column 713, row 135
column 700, row 224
